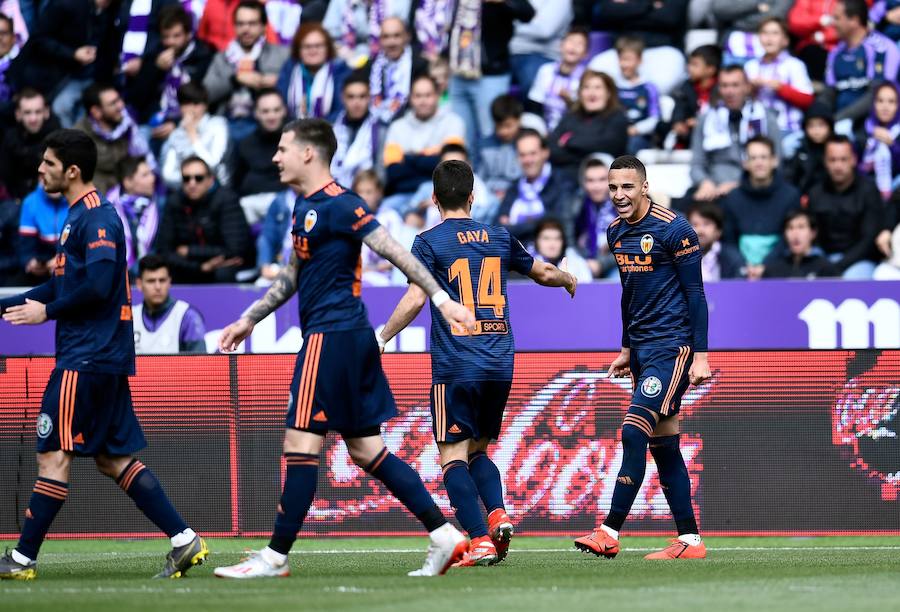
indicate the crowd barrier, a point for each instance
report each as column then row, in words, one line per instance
column 777, row 442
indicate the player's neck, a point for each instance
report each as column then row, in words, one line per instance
column 77, row 190
column 316, row 181
column 455, row 214
column 640, row 211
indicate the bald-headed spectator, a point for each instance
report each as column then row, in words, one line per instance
column 392, row 71
column 355, row 25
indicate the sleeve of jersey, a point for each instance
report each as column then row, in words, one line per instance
column 351, row 217
column 686, row 255
column 421, row 250
column 520, row 260
column 100, row 279
column 100, row 240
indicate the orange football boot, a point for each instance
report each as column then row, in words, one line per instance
column 679, row 550
column 598, row 543
column 481, row 552
column 500, row 528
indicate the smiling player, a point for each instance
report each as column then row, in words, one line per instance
column 664, row 327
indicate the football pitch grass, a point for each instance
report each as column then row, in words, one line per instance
column 846, row 573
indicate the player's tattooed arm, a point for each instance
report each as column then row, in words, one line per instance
column 382, row 243
column 283, row 287
column 548, row 275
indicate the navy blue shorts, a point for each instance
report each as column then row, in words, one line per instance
column 468, row 410
column 88, row 413
column 660, row 377
column 339, row 385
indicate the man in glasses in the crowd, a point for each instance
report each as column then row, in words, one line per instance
column 204, row 233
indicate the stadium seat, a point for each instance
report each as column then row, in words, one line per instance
column 666, row 106
column 673, row 179
column 697, row 38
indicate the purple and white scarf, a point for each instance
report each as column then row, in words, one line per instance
column 284, row 18
column 242, row 60
column 717, row 129
column 433, row 18
column 356, row 155
column 175, row 78
column 140, row 218
column 465, row 40
column 376, row 13
column 321, row 92
column 743, row 46
column 135, row 40
column 595, row 220
column 5, row 62
column 786, row 69
column 195, row 9
column 878, row 159
column 555, row 106
column 127, row 128
column 389, row 84
column 528, row 204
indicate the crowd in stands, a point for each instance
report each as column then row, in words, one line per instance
column 782, row 116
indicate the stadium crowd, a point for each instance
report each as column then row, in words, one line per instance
column 782, row 118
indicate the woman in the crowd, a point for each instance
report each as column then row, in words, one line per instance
column 550, row 245
column 134, row 198
column 881, row 156
column 596, row 124
column 311, row 80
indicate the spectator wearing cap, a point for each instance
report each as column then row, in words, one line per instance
column 540, row 191
column 848, row 210
column 163, row 324
column 807, row 166
column 248, row 65
column 22, row 146
column 199, row 134
column 720, row 259
column 255, row 176
column 798, row 256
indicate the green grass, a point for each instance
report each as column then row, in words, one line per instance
column 540, row 574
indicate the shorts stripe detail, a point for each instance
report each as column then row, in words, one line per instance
column 683, row 352
column 307, row 391
column 440, row 421
column 68, row 387
column 130, row 473
column 639, row 422
column 50, row 490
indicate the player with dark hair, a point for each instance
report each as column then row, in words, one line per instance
column 471, row 373
column 664, row 327
column 338, row 382
column 86, row 410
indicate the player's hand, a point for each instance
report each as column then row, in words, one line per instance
column 234, row 334
column 621, row 365
column 458, row 316
column 699, row 372
column 571, row 281
column 29, row 313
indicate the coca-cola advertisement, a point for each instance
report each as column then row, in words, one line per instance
column 778, row 442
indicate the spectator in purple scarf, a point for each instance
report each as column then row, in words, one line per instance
column 134, row 198
column 595, row 212
column 163, row 325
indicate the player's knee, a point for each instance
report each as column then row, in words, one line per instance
column 111, row 466
column 633, row 437
column 54, row 464
column 361, row 456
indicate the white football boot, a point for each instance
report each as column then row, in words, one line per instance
column 447, row 546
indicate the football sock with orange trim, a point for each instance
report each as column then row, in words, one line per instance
column 148, row 495
column 487, row 479
column 464, row 498
column 675, row 481
column 635, row 435
column 300, row 480
column 47, row 497
column 404, row 484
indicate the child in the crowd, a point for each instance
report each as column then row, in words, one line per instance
column 439, row 69
column 807, row 167
column 376, row 270
column 781, row 80
column 881, row 156
column 550, row 245
column 640, row 98
column 499, row 165
column 692, row 97
column 555, row 86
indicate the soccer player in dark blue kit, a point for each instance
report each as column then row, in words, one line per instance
column 86, row 410
column 471, row 373
column 338, row 382
column 664, row 344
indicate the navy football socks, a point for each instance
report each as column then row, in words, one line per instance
column 464, row 498
column 675, row 481
column 47, row 498
column 300, row 480
column 404, row 484
column 635, row 436
column 144, row 489
column 487, row 479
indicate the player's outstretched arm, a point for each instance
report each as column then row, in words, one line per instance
column 283, row 287
column 548, row 275
column 407, row 309
column 382, row 243
column 43, row 294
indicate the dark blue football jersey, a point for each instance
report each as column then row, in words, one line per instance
column 471, row 262
column 99, row 338
column 659, row 265
column 329, row 226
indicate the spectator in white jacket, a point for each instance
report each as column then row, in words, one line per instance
column 198, row 134
column 537, row 42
